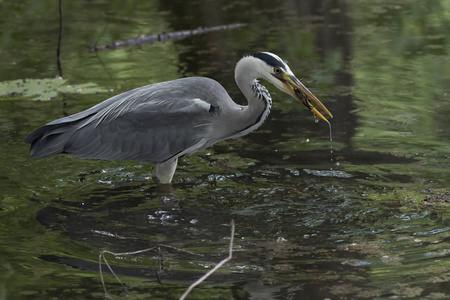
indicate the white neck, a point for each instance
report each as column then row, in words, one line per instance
column 247, row 71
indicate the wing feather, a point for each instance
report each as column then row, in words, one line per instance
column 153, row 123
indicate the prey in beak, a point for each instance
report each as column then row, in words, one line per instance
column 296, row 89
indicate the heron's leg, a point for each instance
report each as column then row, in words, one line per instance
column 164, row 171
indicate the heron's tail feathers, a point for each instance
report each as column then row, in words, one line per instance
column 49, row 139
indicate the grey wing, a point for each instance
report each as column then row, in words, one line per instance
column 153, row 123
column 147, row 135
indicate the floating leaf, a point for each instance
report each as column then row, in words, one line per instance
column 44, row 89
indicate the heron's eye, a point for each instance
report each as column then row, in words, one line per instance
column 277, row 70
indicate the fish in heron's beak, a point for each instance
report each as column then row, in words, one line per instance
column 295, row 88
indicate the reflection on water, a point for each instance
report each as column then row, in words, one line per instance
column 293, row 238
column 330, row 173
column 368, row 219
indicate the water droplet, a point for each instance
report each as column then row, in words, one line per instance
column 331, row 137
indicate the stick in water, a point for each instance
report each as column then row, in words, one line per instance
column 230, row 255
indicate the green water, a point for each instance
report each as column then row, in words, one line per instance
column 365, row 216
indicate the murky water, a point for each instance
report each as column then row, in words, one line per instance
column 365, row 216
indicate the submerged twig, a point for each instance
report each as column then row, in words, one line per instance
column 162, row 37
column 111, row 270
column 58, row 49
column 160, row 265
column 102, row 256
column 230, row 255
column 77, row 189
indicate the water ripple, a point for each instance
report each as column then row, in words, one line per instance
column 328, row 173
column 432, row 232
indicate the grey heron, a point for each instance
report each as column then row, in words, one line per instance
column 162, row 122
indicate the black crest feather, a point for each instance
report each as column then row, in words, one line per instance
column 269, row 59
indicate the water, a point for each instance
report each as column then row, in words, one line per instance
column 368, row 219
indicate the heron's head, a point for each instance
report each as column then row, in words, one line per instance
column 273, row 69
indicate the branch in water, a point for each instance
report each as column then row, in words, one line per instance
column 162, row 37
column 58, row 50
column 191, row 287
column 221, row 263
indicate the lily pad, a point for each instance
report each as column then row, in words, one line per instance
column 44, row 89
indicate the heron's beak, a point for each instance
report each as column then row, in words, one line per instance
column 296, row 89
